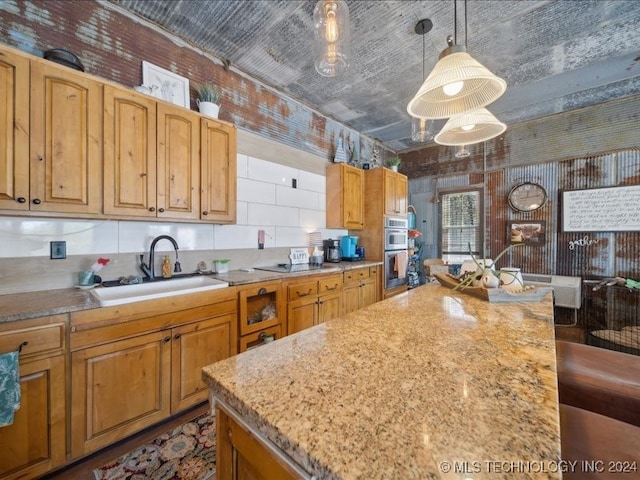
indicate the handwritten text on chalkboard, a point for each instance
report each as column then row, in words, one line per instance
column 614, row 209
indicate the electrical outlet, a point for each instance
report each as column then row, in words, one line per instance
column 294, row 182
column 58, row 250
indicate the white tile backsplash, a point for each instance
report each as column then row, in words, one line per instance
column 242, row 165
column 137, row 236
column 270, row 172
column 292, row 237
column 256, row 191
column 312, row 181
column 260, row 214
column 312, row 219
column 228, row 237
column 27, row 237
column 294, row 197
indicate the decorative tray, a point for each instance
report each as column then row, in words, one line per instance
column 494, row 295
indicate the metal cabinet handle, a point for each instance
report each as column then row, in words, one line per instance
column 37, row 201
column 305, row 294
column 335, row 287
column 176, row 336
column 21, row 199
column 262, row 291
column 205, row 213
column 166, row 339
column 152, row 209
column 262, row 336
column 161, row 210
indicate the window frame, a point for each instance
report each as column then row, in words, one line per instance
column 461, row 256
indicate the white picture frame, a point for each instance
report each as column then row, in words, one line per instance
column 166, row 85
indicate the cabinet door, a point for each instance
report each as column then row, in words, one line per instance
column 329, row 307
column 351, row 297
column 302, row 314
column 66, row 140
column 368, row 292
column 242, row 456
column 118, row 389
column 178, row 163
column 218, row 171
column 14, row 131
column 36, row 440
column 402, row 193
column 129, row 153
column 194, row 346
column 353, row 192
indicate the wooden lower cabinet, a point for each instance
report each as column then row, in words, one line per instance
column 194, row 346
column 360, row 288
column 119, row 388
column 312, row 302
column 131, row 368
column 241, row 455
column 36, row 441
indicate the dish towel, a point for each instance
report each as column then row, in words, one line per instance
column 9, row 387
column 401, row 264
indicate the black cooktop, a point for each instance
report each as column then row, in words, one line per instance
column 288, row 268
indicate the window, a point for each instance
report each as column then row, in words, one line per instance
column 460, row 225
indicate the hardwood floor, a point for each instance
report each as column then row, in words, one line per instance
column 83, row 468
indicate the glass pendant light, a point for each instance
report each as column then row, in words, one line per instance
column 457, row 83
column 331, row 50
column 422, row 130
column 470, row 127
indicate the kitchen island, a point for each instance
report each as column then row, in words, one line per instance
column 428, row 384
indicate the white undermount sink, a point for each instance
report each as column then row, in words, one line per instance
column 108, row 296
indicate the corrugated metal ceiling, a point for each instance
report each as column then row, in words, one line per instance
column 554, row 55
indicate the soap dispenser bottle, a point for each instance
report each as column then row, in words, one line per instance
column 166, row 267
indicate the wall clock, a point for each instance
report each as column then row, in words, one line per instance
column 527, row 197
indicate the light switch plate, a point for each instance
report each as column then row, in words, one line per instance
column 58, row 250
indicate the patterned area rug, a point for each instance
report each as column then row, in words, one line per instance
column 187, row 452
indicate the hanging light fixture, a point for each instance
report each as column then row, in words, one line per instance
column 422, row 130
column 331, row 48
column 470, row 127
column 457, row 83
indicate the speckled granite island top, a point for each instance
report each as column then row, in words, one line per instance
column 408, row 388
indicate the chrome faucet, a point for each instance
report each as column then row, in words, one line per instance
column 149, row 270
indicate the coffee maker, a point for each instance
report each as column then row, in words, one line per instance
column 331, row 250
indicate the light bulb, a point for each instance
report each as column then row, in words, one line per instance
column 452, row 89
column 466, row 128
column 331, row 28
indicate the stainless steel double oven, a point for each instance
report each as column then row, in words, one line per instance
column 395, row 251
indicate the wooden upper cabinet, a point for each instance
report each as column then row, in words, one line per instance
column 129, row 153
column 345, row 197
column 178, row 163
column 218, row 170
column 14, row 131
column 66, row 137
column 395, row 193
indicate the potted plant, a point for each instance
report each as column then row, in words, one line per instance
column 393, row 163
column 487, row 276
column 208, row 100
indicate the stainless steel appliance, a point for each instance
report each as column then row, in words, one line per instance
column 395, row 233
column 395, row 255
column 331, row 250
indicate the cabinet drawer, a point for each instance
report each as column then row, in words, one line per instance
column 302, row 289
column 356, row 274
column 330, row 284
column 39, row 339
column 256, row 339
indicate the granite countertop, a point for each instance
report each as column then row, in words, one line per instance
column 406, row 387
column 23, row 306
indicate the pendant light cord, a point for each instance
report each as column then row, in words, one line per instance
column 465, row 23
column 455, row 22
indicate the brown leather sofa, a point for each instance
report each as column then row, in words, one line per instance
column 598, row 447
column 599, row 392
column 599, row 380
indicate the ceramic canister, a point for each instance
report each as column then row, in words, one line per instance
column 511, row 279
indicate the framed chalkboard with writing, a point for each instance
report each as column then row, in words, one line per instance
column 610, row 209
